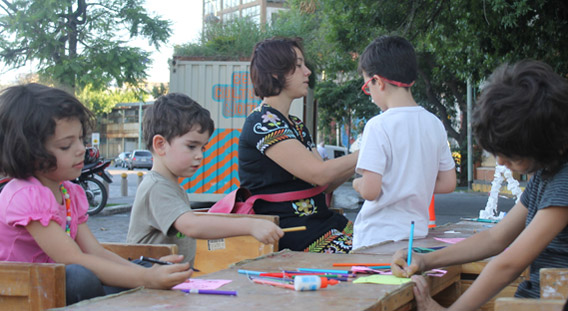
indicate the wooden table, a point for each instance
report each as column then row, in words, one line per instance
column 251, row 296
column 469, row 271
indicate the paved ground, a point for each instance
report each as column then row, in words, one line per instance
column 111, row 225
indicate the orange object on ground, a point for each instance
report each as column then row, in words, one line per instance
column 432, row 213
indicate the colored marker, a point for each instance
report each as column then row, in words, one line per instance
column 156, row 261
column 250, row 272
column 409, row 258
column 210, row 292
column 324, row 271
column 343, row 264
column 277, row 284
column 292, row 229
column 486, row 220
column 160, row 262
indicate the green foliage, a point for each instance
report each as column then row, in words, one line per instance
column 100, row 102
column 455, row 40
column 343, row 103
column 158, row 91
column 230, row 41
column 80, row 42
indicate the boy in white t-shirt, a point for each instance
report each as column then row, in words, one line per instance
column 404, row 156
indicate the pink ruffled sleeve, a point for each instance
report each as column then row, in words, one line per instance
column 33, row 203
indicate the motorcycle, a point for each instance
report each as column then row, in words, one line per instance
column 96, row 191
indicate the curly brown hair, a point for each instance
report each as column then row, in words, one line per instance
column 522, row 113
column 28, row 115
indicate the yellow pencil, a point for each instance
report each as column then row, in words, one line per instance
column 292, row 229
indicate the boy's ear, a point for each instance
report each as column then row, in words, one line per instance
column 159, row 144
column 381, row 83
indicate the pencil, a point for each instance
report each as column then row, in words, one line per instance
column 409, row 258
column 292, row 229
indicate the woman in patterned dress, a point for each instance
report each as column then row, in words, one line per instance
column 277, row 153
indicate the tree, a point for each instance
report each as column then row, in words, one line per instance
column 102, row 101
column 80, row 42
column 455, row 40
column 158, row 91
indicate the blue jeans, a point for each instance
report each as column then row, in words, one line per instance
column 81, row 284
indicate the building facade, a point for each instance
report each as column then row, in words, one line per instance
column 261, row 11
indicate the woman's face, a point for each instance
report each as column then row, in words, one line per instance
column 297, row 81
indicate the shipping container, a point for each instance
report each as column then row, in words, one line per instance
column 225, row 89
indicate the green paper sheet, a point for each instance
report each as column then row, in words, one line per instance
column 382, row 279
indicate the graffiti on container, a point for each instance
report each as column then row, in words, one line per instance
column 238, row 98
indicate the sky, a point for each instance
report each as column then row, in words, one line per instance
column 185, row 16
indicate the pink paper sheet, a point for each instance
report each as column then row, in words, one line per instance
column 201, row 284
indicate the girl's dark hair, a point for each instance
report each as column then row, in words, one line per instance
column 522, row 113
column 391, row 57
column 271, row 60
column 173, row 115
column 28, row 115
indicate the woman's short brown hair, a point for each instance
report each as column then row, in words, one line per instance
column 271, row 60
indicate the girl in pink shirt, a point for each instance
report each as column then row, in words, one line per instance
column 42, row 214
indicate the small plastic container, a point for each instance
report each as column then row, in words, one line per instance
column 312, row 282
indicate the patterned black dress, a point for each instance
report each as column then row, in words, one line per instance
column 327, row 231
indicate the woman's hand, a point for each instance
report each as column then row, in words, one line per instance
column 265, row 231
column 422, row 296
column 399, row 265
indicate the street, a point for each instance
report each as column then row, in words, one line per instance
column 112, row 227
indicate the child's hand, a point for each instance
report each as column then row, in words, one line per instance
column 265, row 231
column 424, row 301
column 172, row 258
column 167, row 276
column 399, row 266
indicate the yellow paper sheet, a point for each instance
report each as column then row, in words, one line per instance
column 382, row 279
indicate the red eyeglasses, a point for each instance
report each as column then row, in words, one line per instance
column 365, row 87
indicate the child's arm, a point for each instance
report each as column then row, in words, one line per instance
column 504, row 268
column 484, row 244
column 369, row 185
column 445, row 181
column 110, row 270
column 292, row 156
column 214, row 227
column 85, row 238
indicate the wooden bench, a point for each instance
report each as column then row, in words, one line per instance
column 527, row 304
column 553, row 293
column 39, row 286
column 554, row 283
column 219, row 254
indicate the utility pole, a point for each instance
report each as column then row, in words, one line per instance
column 469, row 136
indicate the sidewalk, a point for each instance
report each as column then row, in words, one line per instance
column 343, row 197
column 117, row 203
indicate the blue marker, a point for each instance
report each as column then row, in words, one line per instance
column 409, row 258
column 250, row 272
column 324, row 271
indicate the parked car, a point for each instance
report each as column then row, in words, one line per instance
column 140, row 159
column 120, row 160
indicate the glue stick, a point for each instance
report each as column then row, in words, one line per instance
column 311, row 282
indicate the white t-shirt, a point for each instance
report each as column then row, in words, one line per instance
column 407, row 146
